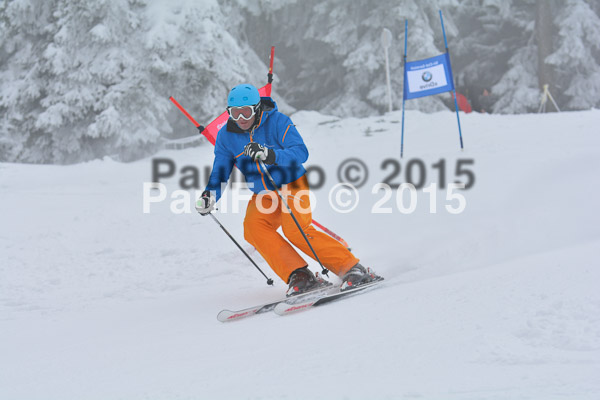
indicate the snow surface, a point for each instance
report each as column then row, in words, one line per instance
column 99, row 300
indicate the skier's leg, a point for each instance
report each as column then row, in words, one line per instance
column 260, row 230
column 334, row 256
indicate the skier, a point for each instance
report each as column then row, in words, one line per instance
column 256, row 130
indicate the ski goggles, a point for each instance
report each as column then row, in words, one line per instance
column 245, row 112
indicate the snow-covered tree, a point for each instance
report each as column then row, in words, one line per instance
column 488, row 34
column 27, row 26
column 516, row 47
column 80, row 90
column 81, row 79
column 194, row 53
column 517, row 89
column 100, row 90
column 576, row 58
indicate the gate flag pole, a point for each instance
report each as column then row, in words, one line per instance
column 404, row 87
column 427, row 77
column 452, row 77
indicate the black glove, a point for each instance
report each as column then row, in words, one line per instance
column 206, row 203
column 257, row 151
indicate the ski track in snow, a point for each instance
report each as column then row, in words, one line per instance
column 101, row 301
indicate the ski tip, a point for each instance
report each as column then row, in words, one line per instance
column 223, row 314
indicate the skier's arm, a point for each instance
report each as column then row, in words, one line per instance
column 294, row 150
column 222, row 167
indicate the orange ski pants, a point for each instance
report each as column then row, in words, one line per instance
column 265, row 214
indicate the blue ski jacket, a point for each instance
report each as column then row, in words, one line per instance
column 274, row 130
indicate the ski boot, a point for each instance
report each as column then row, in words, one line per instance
column 356, row 276
column 303, row 280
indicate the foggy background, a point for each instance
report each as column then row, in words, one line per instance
column 82, row 79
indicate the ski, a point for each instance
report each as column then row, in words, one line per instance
column 234, row 315
column 286, row 307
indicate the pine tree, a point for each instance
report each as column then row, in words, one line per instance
column 511, row 47
column 576, row 59
column 194, row 57
column 100, row 94
column 79, row 82
column 27, row 26
column 81, row 79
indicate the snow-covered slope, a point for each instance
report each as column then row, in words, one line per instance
column 99, row 300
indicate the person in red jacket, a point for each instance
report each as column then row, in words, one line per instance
column 255, row 131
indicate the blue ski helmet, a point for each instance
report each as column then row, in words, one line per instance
column 243, row 95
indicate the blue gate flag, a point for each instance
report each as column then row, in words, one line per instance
column 427, row 77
